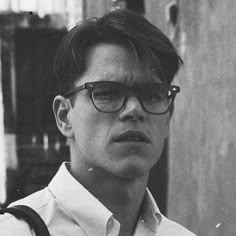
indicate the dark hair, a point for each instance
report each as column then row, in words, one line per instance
column 152, row 47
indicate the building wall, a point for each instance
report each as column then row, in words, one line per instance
column 202, row 163
column 96, row 8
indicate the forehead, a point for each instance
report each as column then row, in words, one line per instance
column 113, row 62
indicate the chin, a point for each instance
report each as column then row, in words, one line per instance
column 130, row 164
column 132, row 170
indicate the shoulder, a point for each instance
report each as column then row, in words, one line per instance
column 170, row 228
column 35, row 200
column 11, row 226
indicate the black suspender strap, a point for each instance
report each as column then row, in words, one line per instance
column 30, row 216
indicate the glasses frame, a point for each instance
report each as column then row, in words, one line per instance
column 90, row 86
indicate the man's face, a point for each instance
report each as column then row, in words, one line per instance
column 94, row 141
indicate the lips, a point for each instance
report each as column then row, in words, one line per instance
column 132, row 136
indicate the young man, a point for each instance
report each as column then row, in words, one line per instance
column 114, row 107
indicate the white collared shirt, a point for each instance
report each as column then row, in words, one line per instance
column 69, row 209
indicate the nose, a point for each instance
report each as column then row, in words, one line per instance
column 132, row 110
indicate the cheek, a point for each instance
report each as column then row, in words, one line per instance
column 160, row 128
column 91, row 130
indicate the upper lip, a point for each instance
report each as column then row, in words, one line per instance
column 132, row 136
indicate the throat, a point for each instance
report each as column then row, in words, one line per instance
column 122, row 196
column 110, row 189
column 117, row 191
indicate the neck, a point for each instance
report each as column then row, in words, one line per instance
column 122, row 196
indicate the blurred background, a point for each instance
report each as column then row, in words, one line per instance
column 194, row 183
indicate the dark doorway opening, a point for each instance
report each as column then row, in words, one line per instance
column 40, row 146
column 36, row 85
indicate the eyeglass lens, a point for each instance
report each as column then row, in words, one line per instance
column 111, row 97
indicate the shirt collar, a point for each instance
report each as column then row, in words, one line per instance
column 83, row 207
column 89, row 212
column 150, row 214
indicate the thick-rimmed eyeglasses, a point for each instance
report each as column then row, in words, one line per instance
column 110, row 97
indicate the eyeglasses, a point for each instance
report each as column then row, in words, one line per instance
column 111, row 97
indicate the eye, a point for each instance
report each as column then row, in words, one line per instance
column 154, row 97
column 107, row 92
column 154, row 94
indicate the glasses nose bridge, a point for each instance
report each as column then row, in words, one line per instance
column 132, row 91
column 130, row 94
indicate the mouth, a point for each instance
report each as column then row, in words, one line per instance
column 132, row 136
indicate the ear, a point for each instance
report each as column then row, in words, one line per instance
column 62, row 112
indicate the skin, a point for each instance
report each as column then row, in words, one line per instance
column 115, row 173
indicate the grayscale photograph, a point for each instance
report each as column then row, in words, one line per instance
column 117, row 118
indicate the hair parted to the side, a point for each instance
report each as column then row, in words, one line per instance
column 154, row 50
